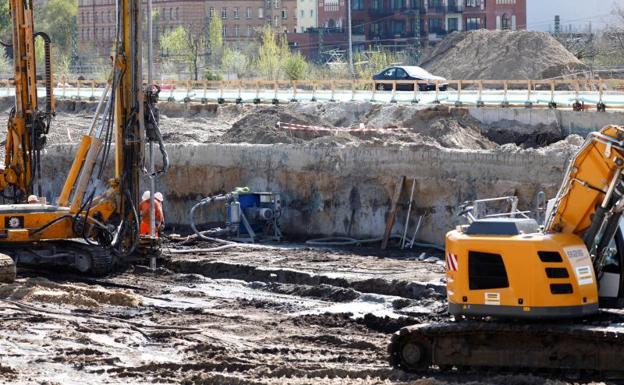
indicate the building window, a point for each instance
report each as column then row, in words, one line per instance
column 505, row 22
column 284, row 14
column 473, row 3
column 211, row 12
column 311, row 13
column 452, row 24
column 436, row 25
column 224, row 13
column 436, row 4
column 276, row 21
column 358, row 27
column 398, row 4
column 237, row 30
column 177, row 13
column 224, row 31
column 398, row 27
column 473, row 23
column 377, row 4
column 249, row 31
column 486, row 271
column 249, row 12
column 236, row 15
column 260, row 13
column 357, row 5
column 276, row 4
column 302, row 13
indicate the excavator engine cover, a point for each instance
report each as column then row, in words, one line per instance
column 506, row 268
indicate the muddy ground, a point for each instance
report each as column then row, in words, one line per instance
column 290, row 315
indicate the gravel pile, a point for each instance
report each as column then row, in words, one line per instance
column 496, row 55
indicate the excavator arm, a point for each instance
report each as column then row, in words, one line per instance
column 590, row 200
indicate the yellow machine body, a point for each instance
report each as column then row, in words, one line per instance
column 529, row 275
column 499, row 266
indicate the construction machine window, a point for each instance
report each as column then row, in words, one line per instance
column 549, row 256
column 561, row 288
column 486, row 271
column 557, row 272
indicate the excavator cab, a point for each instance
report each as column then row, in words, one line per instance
column 611, row 283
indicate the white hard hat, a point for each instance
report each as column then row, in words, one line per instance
column 32, row 199
column 158, row 196
column 146, row 195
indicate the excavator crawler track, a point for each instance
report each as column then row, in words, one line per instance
column 7, row 269
column 589, row 347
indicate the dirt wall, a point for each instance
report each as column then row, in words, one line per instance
column 328, row 190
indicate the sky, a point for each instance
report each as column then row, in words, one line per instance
column 579, row 13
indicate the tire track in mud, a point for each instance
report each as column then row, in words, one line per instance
column 250, row 273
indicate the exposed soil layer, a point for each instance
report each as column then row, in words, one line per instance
column 282, row 316
column 396, row 125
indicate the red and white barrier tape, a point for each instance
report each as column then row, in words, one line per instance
column 301, row 127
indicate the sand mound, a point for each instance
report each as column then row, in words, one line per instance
column 513, row 55
column 43, row 290
column 440, row 127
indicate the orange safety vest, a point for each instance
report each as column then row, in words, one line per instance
column 144, row 208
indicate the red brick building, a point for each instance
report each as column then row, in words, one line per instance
column 506, row 14
column 407, row 23
column 241, row 19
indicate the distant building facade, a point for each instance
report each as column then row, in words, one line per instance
column 398, row 24
column 307, row 15
column 241, row 19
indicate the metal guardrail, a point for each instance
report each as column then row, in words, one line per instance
column 578, row 94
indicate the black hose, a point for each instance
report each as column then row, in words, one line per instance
column 40, row 229
column 205, row 201
column 161, row 145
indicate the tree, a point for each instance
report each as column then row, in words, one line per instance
column 371, row 62
column 271, row 54
column 295, row 67
column 215, row 39
column 185, row 45
column 58, row 19
column 5, row 63
column 5, row 21
column 235, row 61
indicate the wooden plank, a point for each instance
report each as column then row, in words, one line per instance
column 393, row 211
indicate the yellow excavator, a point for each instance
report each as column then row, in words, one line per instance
column 535, row 297
column 93, row 223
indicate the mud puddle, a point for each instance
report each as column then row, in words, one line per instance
column 191, row 328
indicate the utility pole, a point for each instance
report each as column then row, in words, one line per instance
column 350, row 32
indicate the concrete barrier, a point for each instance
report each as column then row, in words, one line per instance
column 570, row 122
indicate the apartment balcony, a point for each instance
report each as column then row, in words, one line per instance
column 438, row 31
column 455, row 8
column 380, row 12
column 436, row 9
column 395, row 35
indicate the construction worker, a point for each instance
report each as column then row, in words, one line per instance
column 144, row 208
